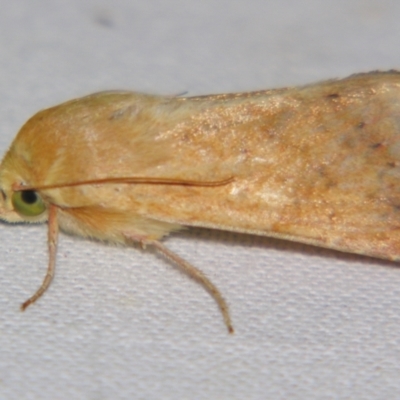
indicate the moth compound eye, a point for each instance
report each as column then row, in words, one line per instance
column 28, row 203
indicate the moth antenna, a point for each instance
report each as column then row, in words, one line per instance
column 52, row 243
column 127, row 180
column 199, row 277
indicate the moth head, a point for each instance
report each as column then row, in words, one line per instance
column 22, row 206
column 17, row 204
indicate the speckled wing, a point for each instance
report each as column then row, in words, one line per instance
column 318, row 164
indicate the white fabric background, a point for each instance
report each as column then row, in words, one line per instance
column 122, row 323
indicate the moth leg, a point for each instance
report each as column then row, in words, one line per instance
column 52, row 238
column 199, row 277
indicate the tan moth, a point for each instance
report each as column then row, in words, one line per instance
column 317, row 164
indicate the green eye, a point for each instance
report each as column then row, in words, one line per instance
column 28, row 203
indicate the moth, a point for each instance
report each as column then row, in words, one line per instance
column 317, row 164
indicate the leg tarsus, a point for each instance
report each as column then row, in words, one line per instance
column 52, row 244
column 199, row 277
